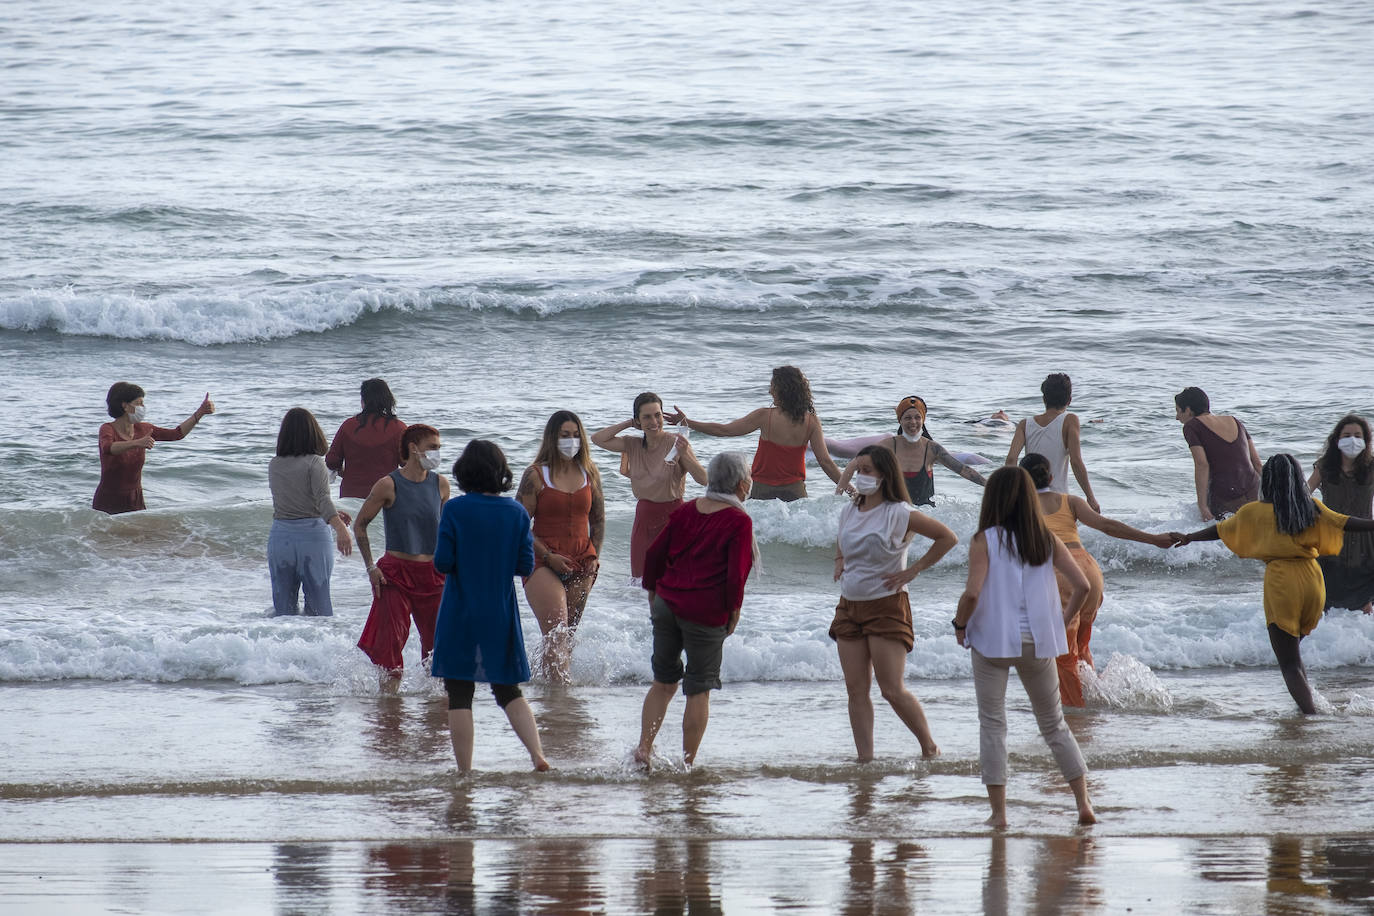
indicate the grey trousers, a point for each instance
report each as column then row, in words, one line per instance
column 1041, row 680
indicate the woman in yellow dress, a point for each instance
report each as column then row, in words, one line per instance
column 1288, row 530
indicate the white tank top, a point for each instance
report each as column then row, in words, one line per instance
column 1049, row 441
column 1016, row 598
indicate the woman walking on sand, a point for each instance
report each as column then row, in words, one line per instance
column 872, row 626
column 484, row 543
column 1010, row 616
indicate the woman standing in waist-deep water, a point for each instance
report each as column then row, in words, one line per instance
column 657, row 464
column 1345, row 475
column 916, row 451
column 872, row 625
column 300, row 551
column 1062, row 514
column 1010, row 616
column 694, row 574
column 125, row 442
column 367, row 446
column 1226, row 465
column 785, row 430
column 562, row 493
column 1288, row 530
column 405, row 585
column 484, row 543
column 1055, row 434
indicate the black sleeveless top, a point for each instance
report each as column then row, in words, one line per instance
column 920, row 485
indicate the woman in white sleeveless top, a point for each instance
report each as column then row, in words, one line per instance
column 1055, row 434
column 1010, row 617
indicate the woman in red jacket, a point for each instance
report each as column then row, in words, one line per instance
column 367, row 447
column 694, row 573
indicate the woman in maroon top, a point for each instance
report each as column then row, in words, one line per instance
column 1226, row 466
column 124, row 444
column 367, row 447
column 694, row 573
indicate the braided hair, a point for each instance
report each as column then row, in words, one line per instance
column 1282, row 485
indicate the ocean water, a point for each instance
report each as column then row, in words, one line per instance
column 507, row 210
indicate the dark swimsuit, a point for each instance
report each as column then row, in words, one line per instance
column 920, row 485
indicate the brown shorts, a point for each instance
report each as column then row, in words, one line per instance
column 786, row 492
column 888, row 617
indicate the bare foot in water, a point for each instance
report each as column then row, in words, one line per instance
column 998, row 821
column 1086, row 816
column 540, row 765
column 930, row 754
column 642, row 757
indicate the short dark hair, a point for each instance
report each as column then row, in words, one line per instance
column 121, row 393
column 1194, row 399
column 300, row 434
column 1038, row 466
column 1057, row 390
column 413, row 434
column 482, row 468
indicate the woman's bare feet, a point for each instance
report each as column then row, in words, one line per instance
column 540, row 764
column 930, row 753
column 998, row 821
column 1086, row 815
column 643, row 757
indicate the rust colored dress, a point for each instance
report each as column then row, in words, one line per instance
column 121, row 476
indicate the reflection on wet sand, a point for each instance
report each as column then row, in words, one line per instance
column 403, row 729
column 879, row 881
column 1063, row 877
column 678, row 880
column 565, row 725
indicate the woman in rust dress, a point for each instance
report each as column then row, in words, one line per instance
column 562, row 493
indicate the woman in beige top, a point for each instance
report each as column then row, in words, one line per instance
column 657, row 465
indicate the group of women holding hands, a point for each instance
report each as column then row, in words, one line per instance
column 1030, row 601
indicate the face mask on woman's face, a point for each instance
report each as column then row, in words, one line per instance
column 866, row 483
column 1350, row 446
column 140, row 411
column 430, row 460
column 910, row 438
column 570, row 447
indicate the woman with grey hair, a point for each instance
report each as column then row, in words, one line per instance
column 1288, row 530
column 694, row 573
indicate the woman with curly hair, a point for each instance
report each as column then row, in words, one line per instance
column 1287, row 529
column 785, row 430
column 561, row 491
column 1345, row 476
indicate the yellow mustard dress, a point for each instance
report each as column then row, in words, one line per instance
column 1294, row 591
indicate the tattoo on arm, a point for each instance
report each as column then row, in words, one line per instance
column 596, row 519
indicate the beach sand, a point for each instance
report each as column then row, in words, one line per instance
column 218, row 799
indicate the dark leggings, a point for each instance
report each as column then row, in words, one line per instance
column 1290, row 663
column 460, row 693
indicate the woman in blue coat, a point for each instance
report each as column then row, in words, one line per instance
column 484, row 543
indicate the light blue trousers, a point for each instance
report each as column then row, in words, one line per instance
column 300, row 553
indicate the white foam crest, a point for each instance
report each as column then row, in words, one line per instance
column 228, row 315
column 1359, row 705
column 1124, row 683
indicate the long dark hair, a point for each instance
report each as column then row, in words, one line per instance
column 378, row 401
column 892, row 488
column 1282, row 485
column 1010, row 502
column 1330, row 461
column 793, row 393
column 549, row 455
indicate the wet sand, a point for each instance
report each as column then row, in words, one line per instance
column 1072, row 873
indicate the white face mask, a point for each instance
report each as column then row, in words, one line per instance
column 140, row 411
column 910, row 438
column 866, row 483
column 430, row 460
column 1350, row 446
column 570, row 447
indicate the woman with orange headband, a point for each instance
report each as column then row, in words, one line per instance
column 916, row 451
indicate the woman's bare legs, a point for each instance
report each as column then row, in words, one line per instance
column 889, row 667
column 997, row 799
column 521, row 719
column 694, row 719
column 549, row 601
column 460, row 733
column 1286, row 650
column 857, row 668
